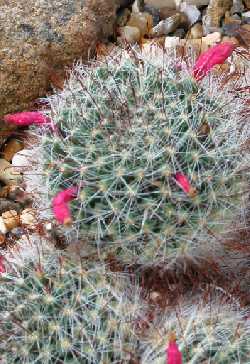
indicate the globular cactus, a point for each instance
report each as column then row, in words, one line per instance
column 63, row 312
column 155, row 154
column 209, row 332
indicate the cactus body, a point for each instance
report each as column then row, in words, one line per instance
column 65, row 313
column 128, row 127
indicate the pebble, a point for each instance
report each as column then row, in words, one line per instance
column 28, row 217
column 123, row 17
column 8, row 221
column 21, row 160
column 196, row 31
column 166, row 26
column 212, row 38
column 192, row 13
column 198, row 3
column 142, row 21
column 129, row 34
column 161, row 3
column 154, row 12
column 234, row 19
column 8, row 174
column 166, row 12
column 6, row 205
column 237, row 7
column 246, row 14
column 11, row 148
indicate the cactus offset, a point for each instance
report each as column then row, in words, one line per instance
column 61, row 312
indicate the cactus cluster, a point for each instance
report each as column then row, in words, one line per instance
column 126, row 128
column 207, row 333
column 63, row 312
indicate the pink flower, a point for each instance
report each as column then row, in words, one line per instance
column 183, row 182
column 213, row 56
column 27, row 118
column 60, row 205
column 2, row 267
column 174, row 356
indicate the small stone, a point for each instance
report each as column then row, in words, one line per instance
column 154, row 12
column 2, row 239
column 172, row 42
column 22, row 160
column 230, row 39
column 246, row 14
column 196, row 31
column 6, row 205
column 237, row 7
column 212, row 38
column 122, row 17
column 166, row 12
column 129, row 34
column 161, row 3
column 166, row 26
column 28, row 217
column 235, row 19
column 142, row 21
column 11, row 148
column 8, row 174
column 192, row 13
column 247, row 3
column 8, row 221
column 180, row 33
column 246, row 27
column 198, row 3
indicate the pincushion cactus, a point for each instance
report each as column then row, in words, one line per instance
column 128, row 129
column 61, row 312
column 206, row 333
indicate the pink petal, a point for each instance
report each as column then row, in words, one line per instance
column 60, row 204
column 213, row 56
column 27, row 118
column 183, row 182
column 174, row 356
column 2, row 266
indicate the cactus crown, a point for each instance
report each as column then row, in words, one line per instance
column 127, row 128
column 61, row 312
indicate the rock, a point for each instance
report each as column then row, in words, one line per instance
column 237, row 7
column 5, row 129
column 8, row 175
column 196, row 31
column 246, row 14
column 28, row 217
column 180, row 33
column 8, row 221
column 161, row 3
column 247, row 4
column 142, row 21
column 6, row 205
column 212, row 38
column 122, row 17
column 230, row 39
column 11, row 148
column 215, row 11
column 166, row 26
column 129, row 35
column 198, row 3
column 246, row 27
column 38, row 39
column 192, row 13
column 166, row 12
column 234, row 19
column 154, row 12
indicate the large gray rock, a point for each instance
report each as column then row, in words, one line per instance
column 39, row 38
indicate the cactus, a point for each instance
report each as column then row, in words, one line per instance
column 206, row 333
column 128, row 127
column 63, row 312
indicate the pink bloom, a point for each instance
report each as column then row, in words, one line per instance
column 182, row 182
column 2, row 267
column 213, row 56
column 174, row 356
column 60, row 205
column 27, row 118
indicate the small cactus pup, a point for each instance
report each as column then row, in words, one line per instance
column 61, row 312
column 206, row 332
column 155, row 155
